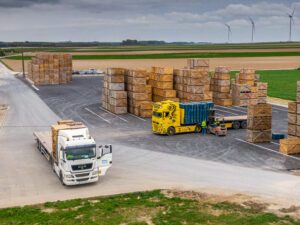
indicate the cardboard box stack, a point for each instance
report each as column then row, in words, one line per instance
column 192, row 85
column 139, row 93
column 45, row 69
column 244, row 95
column 259, row 123
column 220, row 86
column 114, row 96
column 262, row 92
column 161, row 80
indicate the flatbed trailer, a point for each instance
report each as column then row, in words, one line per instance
column 44, row 144
column 233, row 122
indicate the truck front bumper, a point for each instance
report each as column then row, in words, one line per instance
column 80, row 178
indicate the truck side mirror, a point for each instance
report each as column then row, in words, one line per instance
column 104, row 149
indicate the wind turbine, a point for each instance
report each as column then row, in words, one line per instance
column 229, row 31
column 253, row 28
column 291, row 16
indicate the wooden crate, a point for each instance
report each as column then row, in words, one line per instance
column 290, row 146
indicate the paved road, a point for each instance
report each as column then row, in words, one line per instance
column 26, row 178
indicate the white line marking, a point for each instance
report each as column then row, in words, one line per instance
column 33, row 86
column 137, row 117
column 274, row 143
column 95, row 114
column 268, row 149
column 113, row 114
column 231, row 109
column 228, row 112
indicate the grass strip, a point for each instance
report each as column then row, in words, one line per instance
column 152, row 207
column 176, row 55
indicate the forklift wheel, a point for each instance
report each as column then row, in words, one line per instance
column 198, row 129
column 171, row 131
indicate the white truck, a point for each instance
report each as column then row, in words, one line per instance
column 73, row 153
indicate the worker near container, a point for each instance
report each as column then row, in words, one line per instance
column 203, row 126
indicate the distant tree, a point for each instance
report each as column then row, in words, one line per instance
column 130, row 42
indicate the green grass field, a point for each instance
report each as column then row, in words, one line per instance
column 141, row 209
column 118, row 48
column 176, row 55
column 282, row 83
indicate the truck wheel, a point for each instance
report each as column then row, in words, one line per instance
column 244, row 125
column 236, row 125
column 198, row 129
column 61, row 179
column 171, row 131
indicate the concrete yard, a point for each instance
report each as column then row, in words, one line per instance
column 142, row 160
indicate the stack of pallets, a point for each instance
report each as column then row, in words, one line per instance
column 161, row 80
column 259, row 123
column 220, row 86
column 244, row 94
column 45, row 69
column 114, row 96
column 197, row 63
column 294, row 119
column 139, row 93
column 192, row 85
column 262, row 92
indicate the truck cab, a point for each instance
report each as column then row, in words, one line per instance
column 79, row 160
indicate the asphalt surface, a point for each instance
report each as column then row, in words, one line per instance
column 81, row 101
column 141, row 159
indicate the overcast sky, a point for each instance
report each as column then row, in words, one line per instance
column 169, row 20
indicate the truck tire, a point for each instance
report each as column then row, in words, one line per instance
column 244, row 124
column 236, row 125
column 171, row 131
column 61, row 179
column 198, row 129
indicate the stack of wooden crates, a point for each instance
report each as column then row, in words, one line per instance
column 291, row 145
column 262, row 92
column 161, row 80
column 114, row 96
column 220, row 86
column 45, row 69
column 198, row 64
column 259, row 123
column 244, row 88
column 192, row 85
column 139, row 93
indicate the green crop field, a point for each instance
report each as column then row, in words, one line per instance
column 282, row 83
column 141, row 209
column 176, row 55
column 167, row 46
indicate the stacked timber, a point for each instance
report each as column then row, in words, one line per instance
column 161, row 80
column 262, row 92
column 192, row 85
column 139, row 93
column 198, row 63
column 290, row 146
column 45, row 69
column 220, row 86
column 246, row 76
column 259, row 123
column 244, row 95
column 293, row 130
column 114, row 96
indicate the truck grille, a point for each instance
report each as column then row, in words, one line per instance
column 82, row 175
column 82, row 166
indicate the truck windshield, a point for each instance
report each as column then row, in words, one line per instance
column 81, row 153
column 157, row 114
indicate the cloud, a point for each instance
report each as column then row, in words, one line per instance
column 24, row 3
